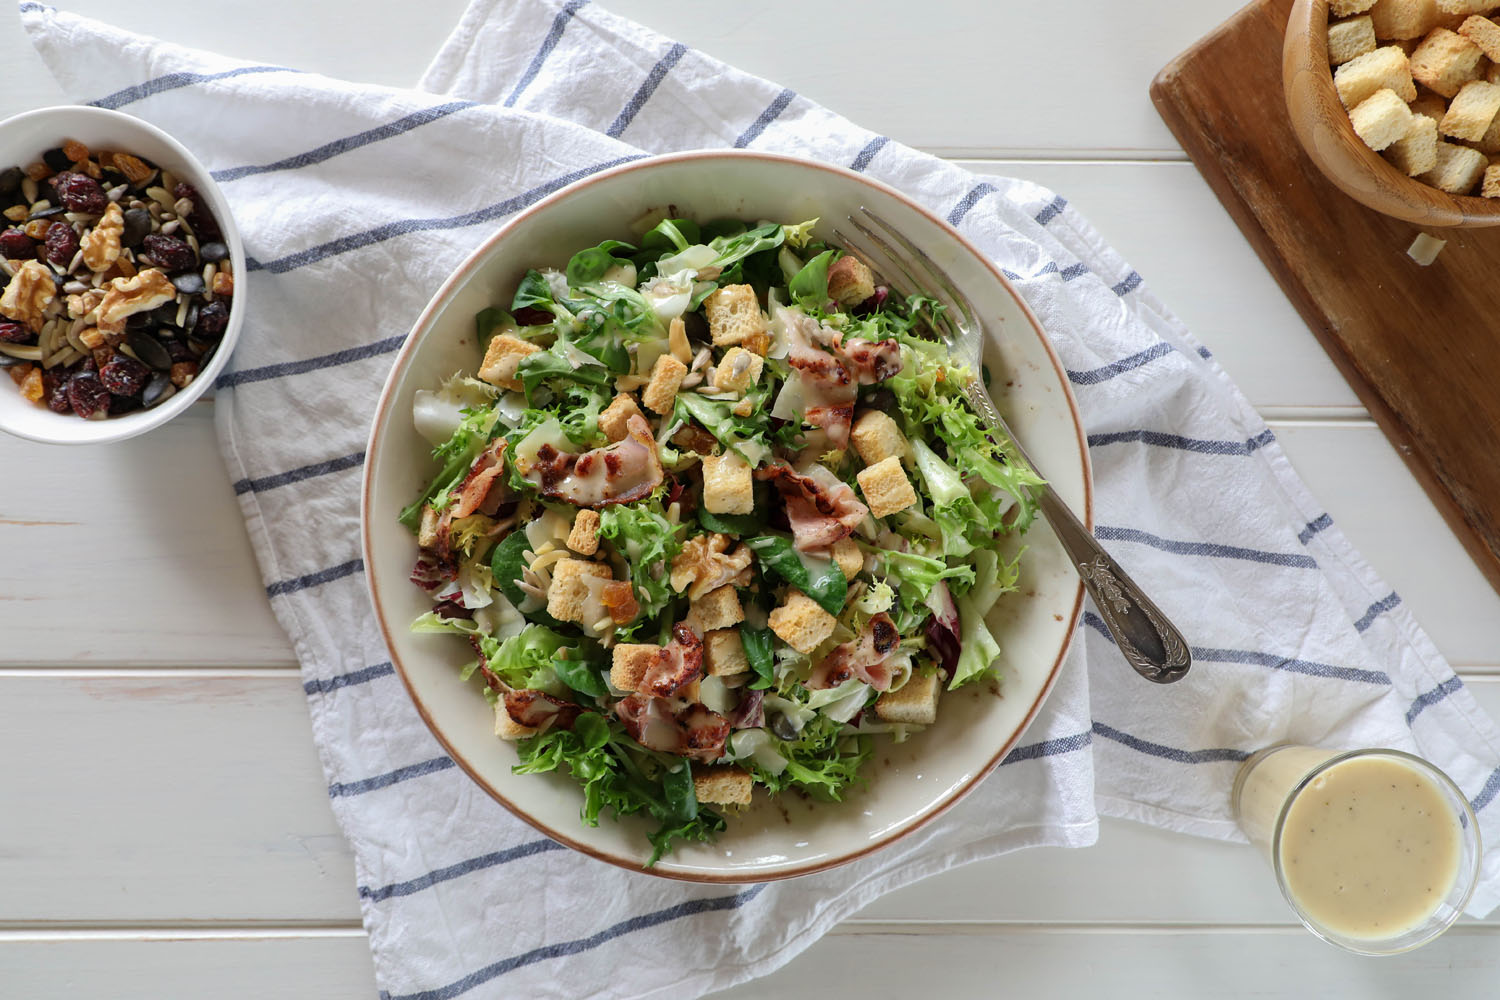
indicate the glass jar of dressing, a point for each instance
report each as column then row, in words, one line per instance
column 1377, row 851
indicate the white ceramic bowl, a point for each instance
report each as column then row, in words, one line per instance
column 23, row 139
column 908, row 783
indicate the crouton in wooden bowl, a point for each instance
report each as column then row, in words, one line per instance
column 1397, row 102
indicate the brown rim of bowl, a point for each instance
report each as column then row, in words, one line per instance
column 463, row 272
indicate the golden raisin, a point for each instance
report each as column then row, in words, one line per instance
column 38, row 171
column 19, row 372
column 184, row 372
column 223, row 283
column 31, row 385
column 135, row 171
column 37, row 228
column 75, row 150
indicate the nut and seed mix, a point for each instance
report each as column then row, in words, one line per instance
column 115, row 282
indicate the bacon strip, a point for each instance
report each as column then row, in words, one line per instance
column 679, row 663
column 819, row 514
column 830, row 390
column 872, row 360
column 623, row 472
column 866, row 657
column 540, row 710
column 695, row 732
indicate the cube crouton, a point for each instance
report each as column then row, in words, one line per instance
column 738, row 371
column 507, row 728
column 850, row 559
column 722, row 786
column 1472, row 111
column 1405, row 18
column 1491, row 186
column 715, row 610
column 1492, row 72
column 1382, row 118
column 1458, row 168
column 724, row 653
column 1384, row 69
column 584, row 538
column 850, row 281
column 631, row 661
column 569, row 592
column 734, row 315
column 661, row 391
column 1429, row 105
column 1444, row 62
column 502, row 358
column 886, row 487
column 1489, row 143
column 1350, row 39
column 613, row 417
column 876, row 436
column 1343, row 8
column 1484, row 33
column 1416, row 152
column 728, row 487
column 914, row 703
column 427, row 533
column 801, row 622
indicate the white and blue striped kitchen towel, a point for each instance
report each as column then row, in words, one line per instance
column 356, row 201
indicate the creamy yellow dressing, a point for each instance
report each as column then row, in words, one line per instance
column 1370, row 848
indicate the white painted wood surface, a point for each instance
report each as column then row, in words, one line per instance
column 164, row 829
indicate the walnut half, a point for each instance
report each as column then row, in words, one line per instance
column 101, row 245
column 28, row 295
column 127, row 296
column 704, row 564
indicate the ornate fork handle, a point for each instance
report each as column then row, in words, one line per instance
column 1150, row 643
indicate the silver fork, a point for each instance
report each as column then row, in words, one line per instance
column 1150, row 642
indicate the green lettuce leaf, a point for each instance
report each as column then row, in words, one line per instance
column 820, row 579
column 649, row 542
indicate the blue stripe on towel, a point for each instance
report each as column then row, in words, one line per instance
column 1161, row 439
column 1096, row 375
column 1052, row 211
column 329, row 150
column 1427, row 698
column 1296, row 560
column 1375, row 610
column 773, row 111
column 432, row 878
column 969, row 200
column 1487, row 793
column 271, row 482
column 246, row 375
column 579, row 945
column 1212, row 756
column 1320, row 523
column 176, row 81
column 653, row 80
column 1128, row 284
column 323, row 685
column 317, row 579
column 554, row 33
column 403, row 227
column 867, row 154
column 340, row 789
column 1048, row 748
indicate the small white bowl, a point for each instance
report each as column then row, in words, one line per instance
column 23, row 139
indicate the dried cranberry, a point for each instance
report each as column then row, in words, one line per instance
column 202, row 221
column 80, row 193
column 61, row 244
column 14, row 333
column 57, row 396
column 16, row 245
column 177, row 350
column 87, row 395
column 212, row 320
column 170, row 252
column 124, row 376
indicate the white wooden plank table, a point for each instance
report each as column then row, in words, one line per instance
column 164, row 826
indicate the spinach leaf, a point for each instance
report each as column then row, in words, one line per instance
column 827, row 586
column 737, row 248
column 507, row 564
column 536, row 368
column 757, row 643
column 488, row 322
column 810, row 285
column 533, row 291
column 592, row 731
column 682, row 798
column 582, row 676
column 731, row 524
column 671, row 235
column 588, row 266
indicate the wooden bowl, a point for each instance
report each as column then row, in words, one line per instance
column 1322, row 125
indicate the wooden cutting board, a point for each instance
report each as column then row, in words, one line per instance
column 1419, row 345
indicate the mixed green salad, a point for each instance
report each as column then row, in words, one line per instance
column 714, row 513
